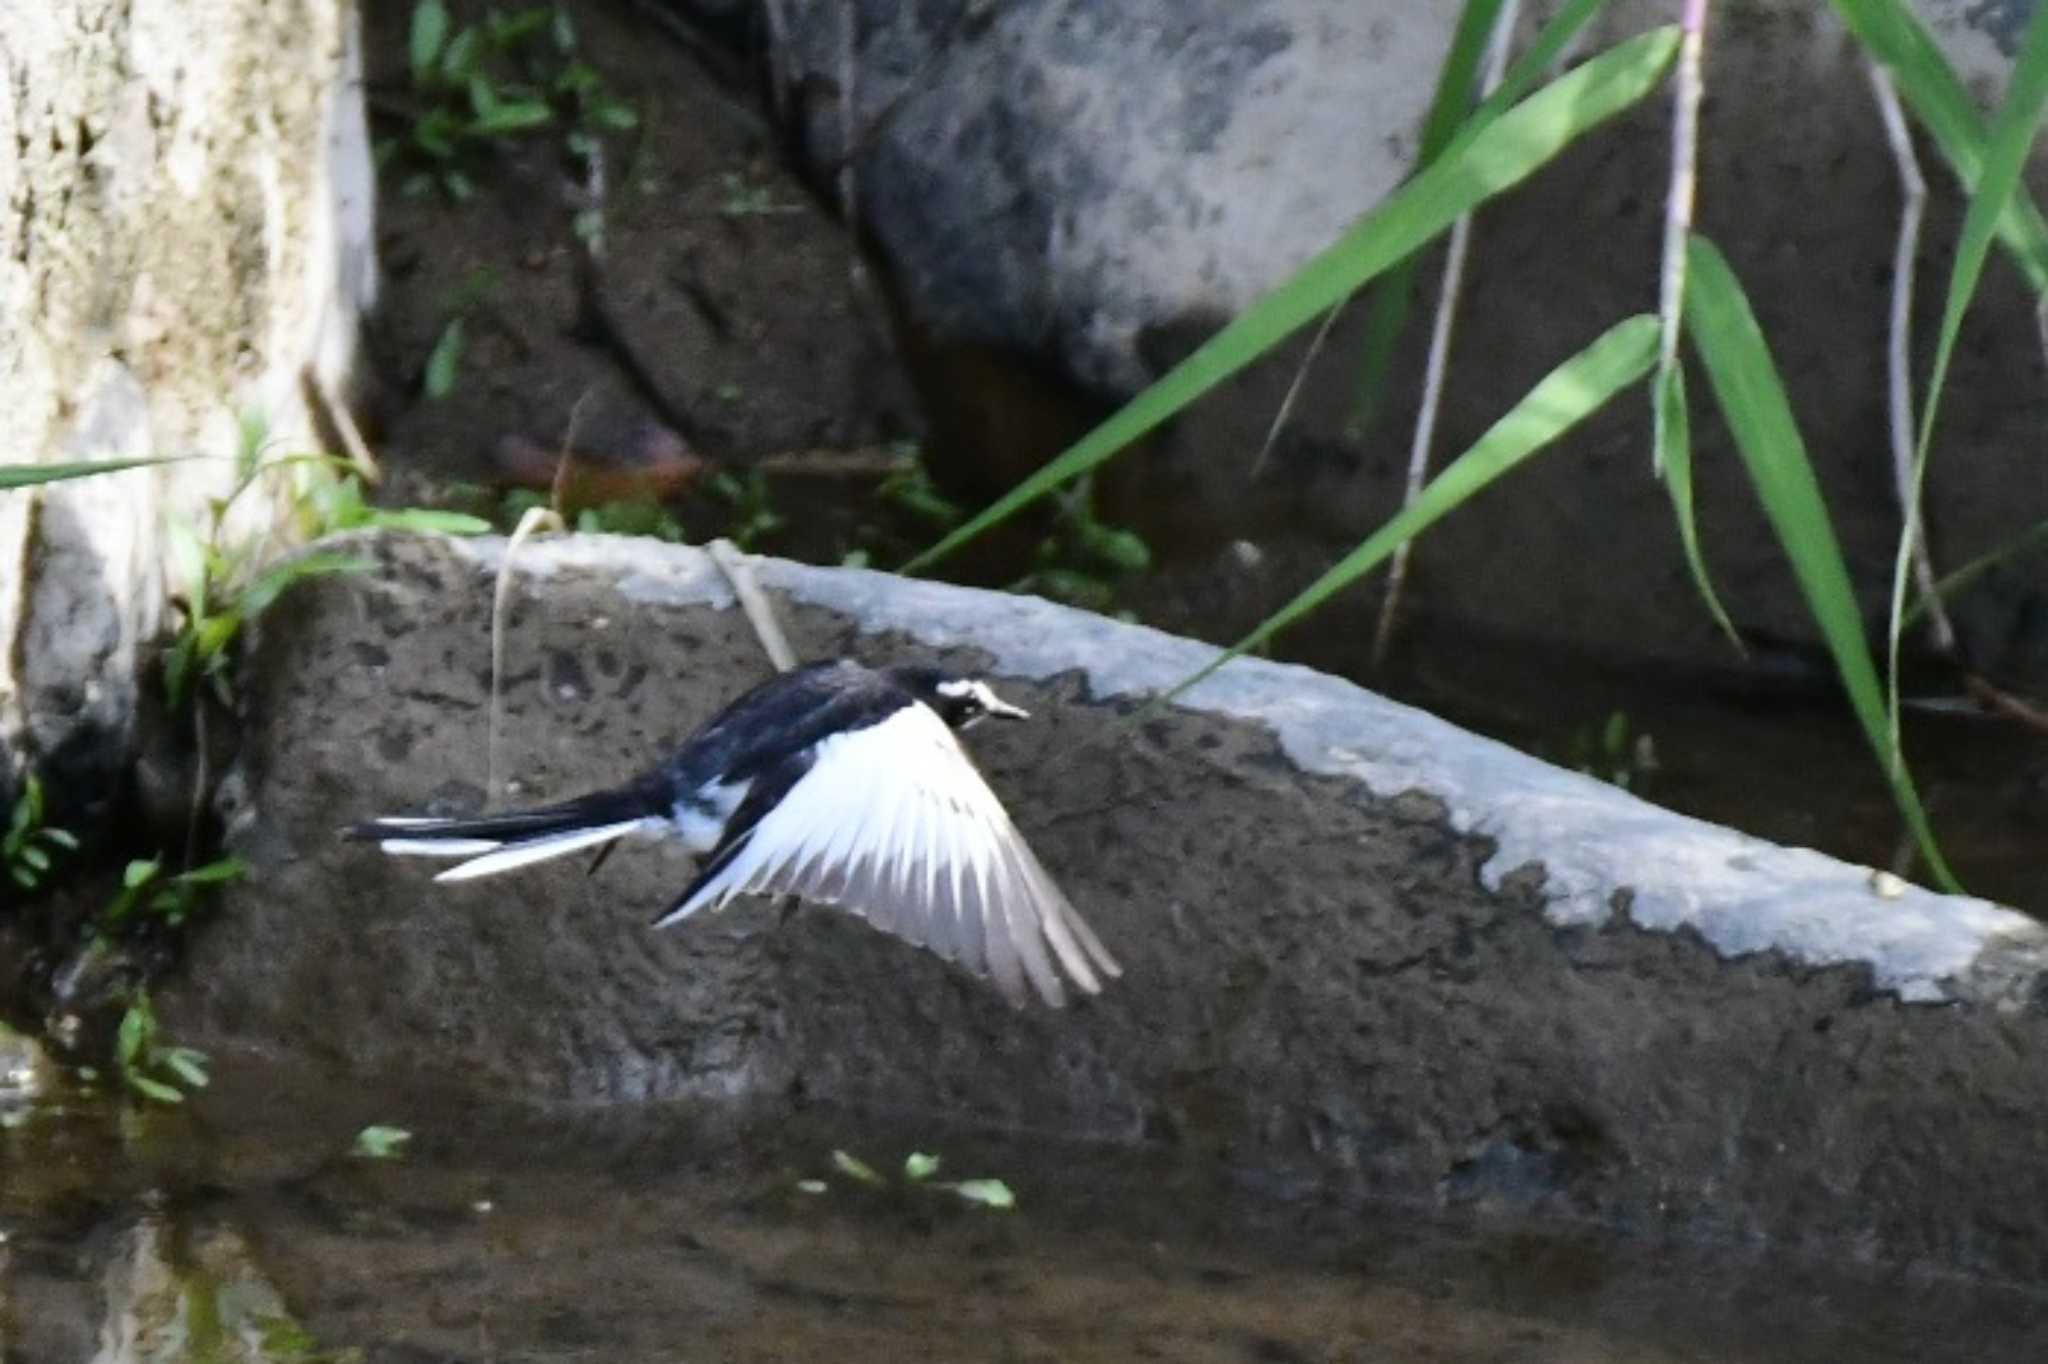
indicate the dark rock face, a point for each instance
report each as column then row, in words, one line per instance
column 1099, row 187
column 1326, row 988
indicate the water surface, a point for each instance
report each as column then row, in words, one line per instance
column 245, row 1229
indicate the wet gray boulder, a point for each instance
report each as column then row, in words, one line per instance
column 1366, row 954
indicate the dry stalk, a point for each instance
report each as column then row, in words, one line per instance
column 1678, row 202
column 1440, row 348
column 739, row 571
column 1898, row 349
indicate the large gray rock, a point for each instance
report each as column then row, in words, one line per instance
column 1366, row 953
column 1100, row 186
column 187, row 240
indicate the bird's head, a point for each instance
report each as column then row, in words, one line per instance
column 960, row 701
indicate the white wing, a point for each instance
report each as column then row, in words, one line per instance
column 893, row 823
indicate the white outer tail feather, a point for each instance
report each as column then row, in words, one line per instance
column 511, row 856
column 438, row 847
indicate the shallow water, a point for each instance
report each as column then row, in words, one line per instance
column 247, row 1230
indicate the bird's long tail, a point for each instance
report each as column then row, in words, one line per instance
column 494, row 843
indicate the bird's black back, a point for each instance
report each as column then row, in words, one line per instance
column 781, row 719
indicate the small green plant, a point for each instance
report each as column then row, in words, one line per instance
column 1612, row 756
column 216, row 608
column 333, row 504
column 637, row 516
column 741, row 197
column 754, row 516
column 29, row 847
column 444, row 362
column 149, row 1065
column 285, row 1341
column 148, row 892
column 1084, row 561
column 509, row 76
column 919, row 1170
column 911, row 490
column 224, row 589
column 377, row 1142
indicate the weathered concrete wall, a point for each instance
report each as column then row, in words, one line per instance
column 1366, row 953
column 186, row 231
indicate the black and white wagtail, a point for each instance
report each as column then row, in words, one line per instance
column 837, row 783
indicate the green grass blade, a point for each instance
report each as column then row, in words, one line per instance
column 421, row 520
column 1499, row 156
column 1752, row 399
column 1674, row 438
column 1930, row 86
column 2027, row 542
column 32, row 475
column 1523, row 74
column 1458, row 79
column 1456, row 82
column 2005, row 157
column 1393, row 298
column 317, row 564
column 1566, row 396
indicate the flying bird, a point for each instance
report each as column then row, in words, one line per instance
column 837, row 783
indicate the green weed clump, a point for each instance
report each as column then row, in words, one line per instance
column 513, row 75
column 30, row 848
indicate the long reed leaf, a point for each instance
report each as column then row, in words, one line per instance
column 1930, row 86
column 1565, row 397
column 2028, row 541
column 2012, row 135
column 1499, row 156
column 33, row 475
column 1745, row 379
column 1674, row 438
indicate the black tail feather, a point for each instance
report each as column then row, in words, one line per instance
column 601, row 807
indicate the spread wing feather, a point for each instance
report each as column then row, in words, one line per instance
column 893, row 822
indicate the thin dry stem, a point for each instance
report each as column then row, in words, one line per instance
column 533, row 522
column 1678, row 203
column 1294, row 387
column 1898, row 350
column 739, row 571
column 202, row 773
column 867, row 461
column 344, row 423
column 778, row 38
column 849, row 76
column 558, row 485
column 1999, row 701
column 1438, row 363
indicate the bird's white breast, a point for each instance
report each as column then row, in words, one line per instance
column 701, row 819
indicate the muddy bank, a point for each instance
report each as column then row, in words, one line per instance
column 1367, row 954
